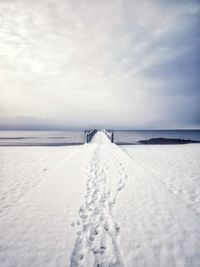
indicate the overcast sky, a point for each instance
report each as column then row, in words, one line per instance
column 99, row 63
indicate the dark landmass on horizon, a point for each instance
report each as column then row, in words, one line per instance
column 167, row 141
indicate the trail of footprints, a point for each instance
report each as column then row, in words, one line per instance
column 97, row 241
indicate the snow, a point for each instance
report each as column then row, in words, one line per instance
column 100, row 205
column 177, row 167
column 23, row 168
column 100, row 138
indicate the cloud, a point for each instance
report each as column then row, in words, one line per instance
column 123, row 64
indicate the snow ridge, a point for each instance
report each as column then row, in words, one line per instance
column 97, row 241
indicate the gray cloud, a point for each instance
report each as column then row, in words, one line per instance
column 76, row 64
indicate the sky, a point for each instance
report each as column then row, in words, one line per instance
column 121, row 64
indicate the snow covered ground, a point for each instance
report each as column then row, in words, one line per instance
column 100, row 205
column 23, row 168
column 176, row 166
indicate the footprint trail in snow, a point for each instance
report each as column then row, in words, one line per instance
column 97, row 242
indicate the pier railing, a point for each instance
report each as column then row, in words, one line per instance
column 110, row 135
column 90, row 133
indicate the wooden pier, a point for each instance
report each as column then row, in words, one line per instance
column 90, row 133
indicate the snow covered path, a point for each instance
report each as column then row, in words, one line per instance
column 97, row 242
column 100, row 208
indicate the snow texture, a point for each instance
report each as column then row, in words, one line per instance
column 100, row 205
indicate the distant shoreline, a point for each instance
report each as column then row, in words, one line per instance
column 151, row 141
column 161, row 141
column 167, row 141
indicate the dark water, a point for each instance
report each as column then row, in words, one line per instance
column 56, row 138
column 134, row 136
column 53, row 138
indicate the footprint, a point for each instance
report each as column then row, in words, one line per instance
column 98, row 233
